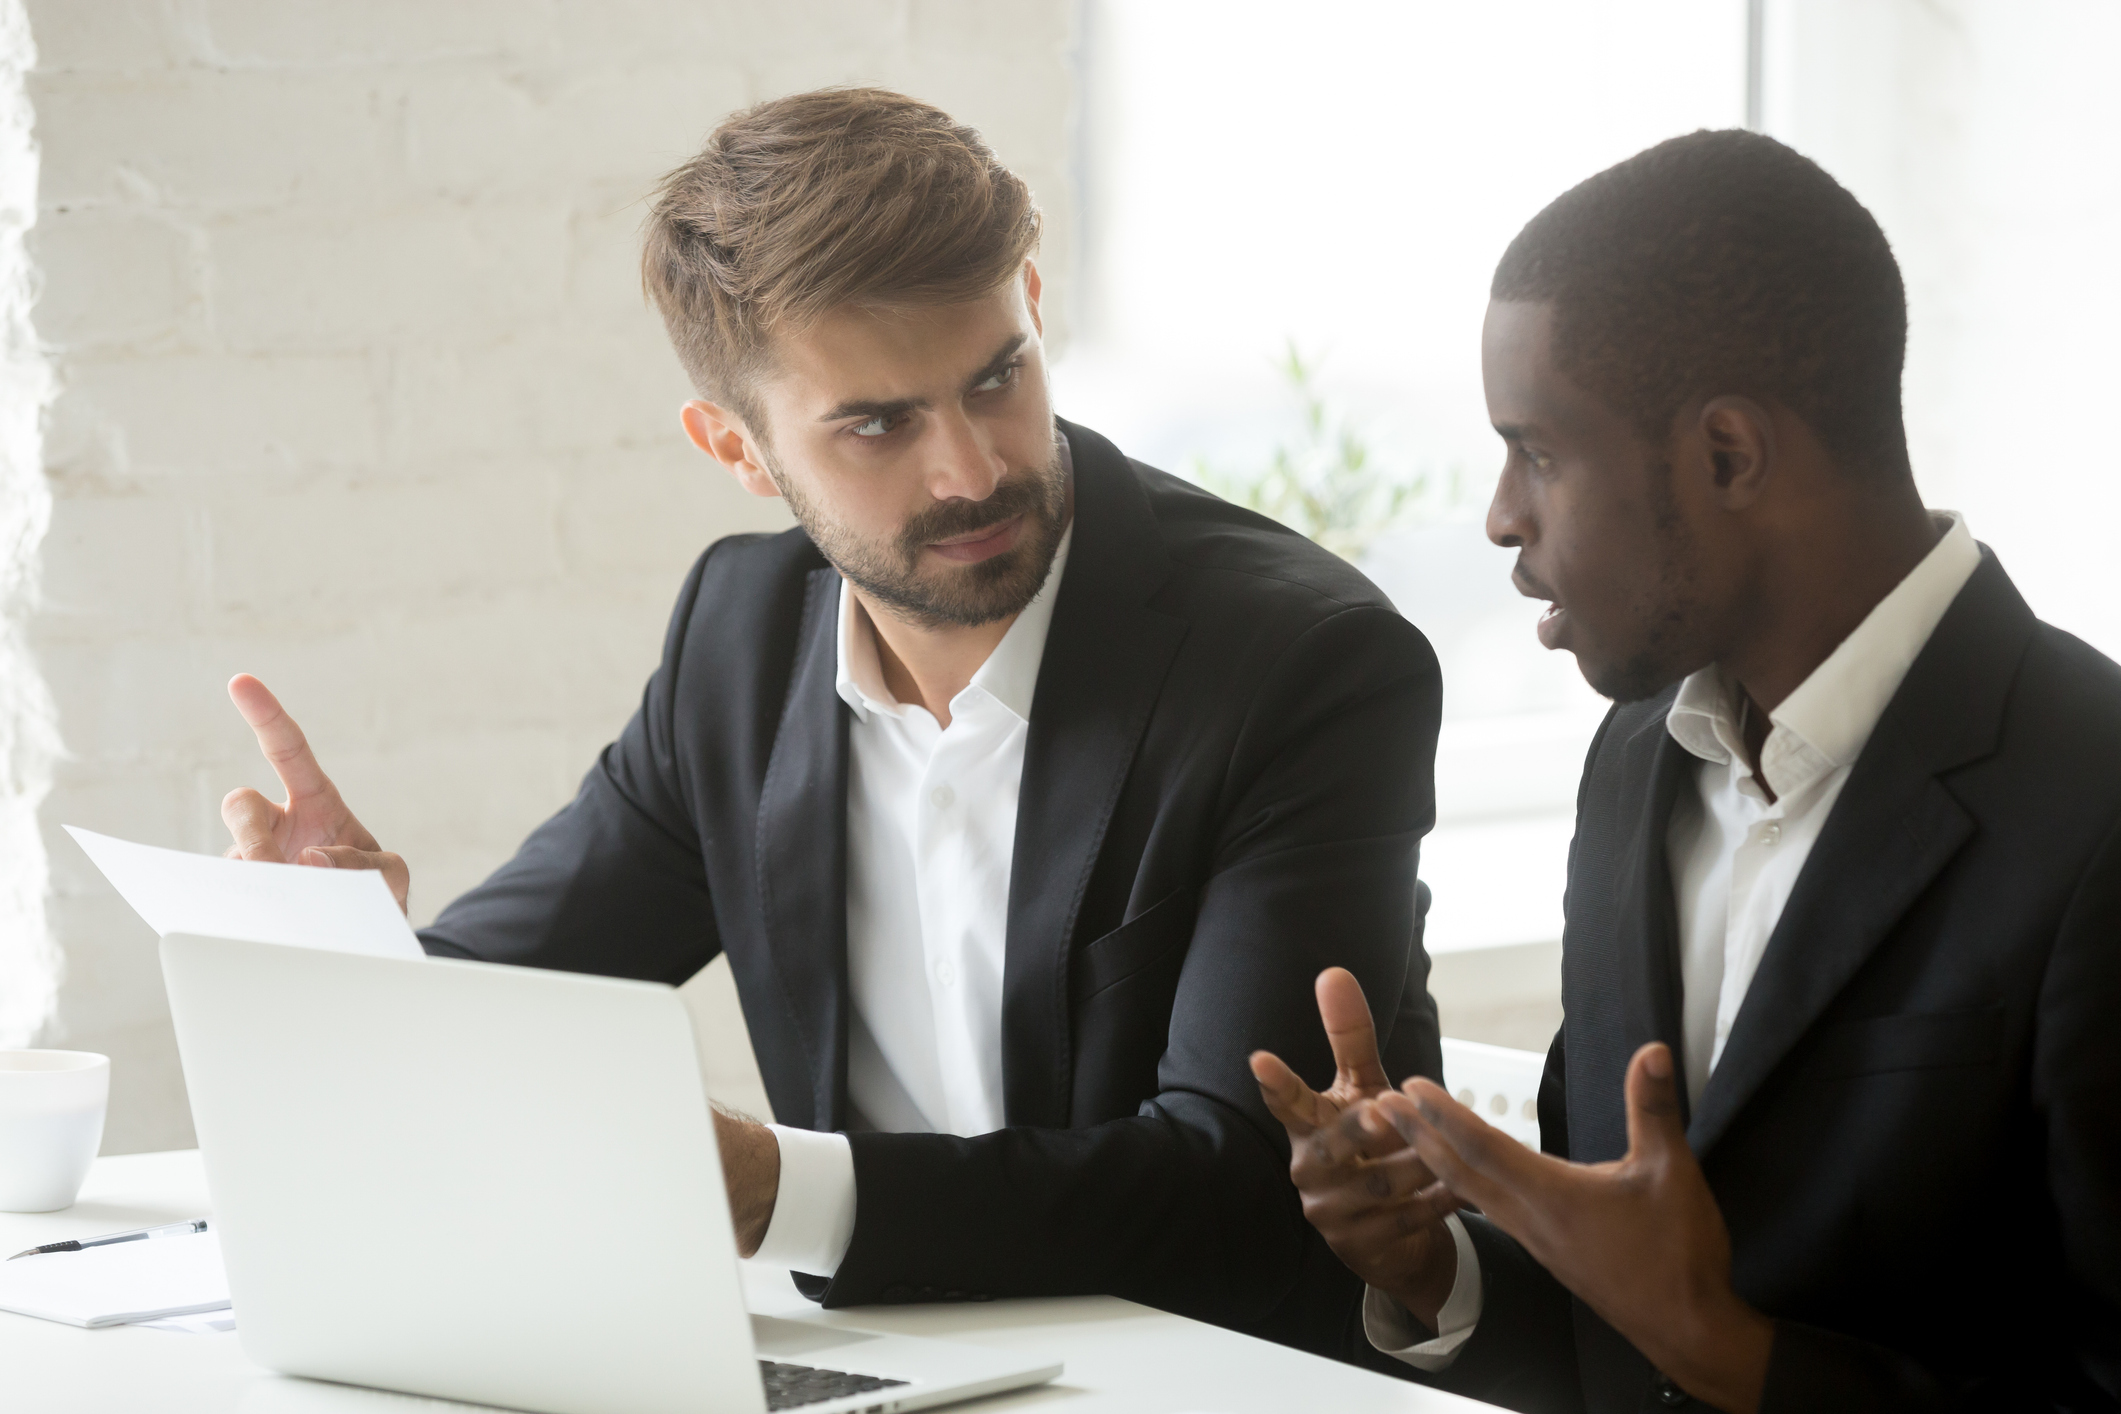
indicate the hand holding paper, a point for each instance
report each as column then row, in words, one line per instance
column 352, row 898
column 312, row 826
column 346, row 910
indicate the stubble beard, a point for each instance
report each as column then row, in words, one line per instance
column 963, row 596
column 1667, row 650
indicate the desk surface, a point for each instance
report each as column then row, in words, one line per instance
column 1120, row 1356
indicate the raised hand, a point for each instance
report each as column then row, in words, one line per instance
column 1364, row 1188
column 1640, row 1239
column 312, row 826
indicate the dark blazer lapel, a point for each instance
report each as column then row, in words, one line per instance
column 802, row 850
column 1894, row 827
column 1650, row 984
column 1104, row 665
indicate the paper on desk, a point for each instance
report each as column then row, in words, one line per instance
column 344, row 910
column 110, row 1286
column 197, row 1323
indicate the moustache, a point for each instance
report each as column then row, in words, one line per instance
column 1529, row 585
column 946, row 519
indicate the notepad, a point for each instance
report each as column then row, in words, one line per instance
column 345, row 910
column 112, row 1286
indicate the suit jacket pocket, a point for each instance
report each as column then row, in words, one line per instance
column 1125, row 986
column 1157, row 932
column 1930, row 1040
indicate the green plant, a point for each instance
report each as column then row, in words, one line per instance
column 1323, row 483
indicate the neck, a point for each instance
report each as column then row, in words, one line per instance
column 1817, row 585
column 930, row 666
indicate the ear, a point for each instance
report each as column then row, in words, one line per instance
column 1738, row 438
column 721, row 434
column 1032, row 289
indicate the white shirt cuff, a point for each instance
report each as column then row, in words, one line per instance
column 1392, row 1329
column 813, row 1209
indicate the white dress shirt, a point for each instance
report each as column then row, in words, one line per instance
column 931, row 832
column 1735, row 856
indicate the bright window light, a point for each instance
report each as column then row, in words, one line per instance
column 1344, row 177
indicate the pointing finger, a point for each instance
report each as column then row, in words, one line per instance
column 280, row 739
column 1456, row 1144
column 1355, row 1140
column 1351, row 1031
column 1433, row 1145
column 1368, row 1133
column 1477, row 1142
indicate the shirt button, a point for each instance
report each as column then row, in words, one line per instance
column 1771, row 835
column 945, row 973
column 942, row 796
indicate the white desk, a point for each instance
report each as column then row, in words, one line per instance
column 1120, row 1356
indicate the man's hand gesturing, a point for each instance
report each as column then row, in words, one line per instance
column 1639, row 1239
column 312, row 826
column 1364, row 1188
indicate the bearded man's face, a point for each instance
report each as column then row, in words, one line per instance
column 916, row 447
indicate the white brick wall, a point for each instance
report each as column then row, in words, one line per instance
column 357, row 392
column 28, row 742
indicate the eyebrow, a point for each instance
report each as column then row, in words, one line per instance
column 871, row 407
column 996, row 364
column 1515, row 431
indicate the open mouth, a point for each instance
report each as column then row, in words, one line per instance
column 1551, row 624
column 982, row 544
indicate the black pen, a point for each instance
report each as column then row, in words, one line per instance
column 171, row 1230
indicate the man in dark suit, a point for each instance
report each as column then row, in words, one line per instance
column 1834, row 1118
column 1024, row 787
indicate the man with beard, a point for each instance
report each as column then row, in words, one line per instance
column 1024, row 787
column 1833, row 1121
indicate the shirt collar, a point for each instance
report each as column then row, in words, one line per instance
column 1010, row 674
column 1825, row 723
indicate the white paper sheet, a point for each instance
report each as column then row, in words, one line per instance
column 198, row 1323
column 125, row 1282
column 345, row 910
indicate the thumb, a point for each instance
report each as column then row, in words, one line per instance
column 1350, row 1031
column 1288, row 1099
column 251, row 819
column 1655, row 1129
column 341, row 856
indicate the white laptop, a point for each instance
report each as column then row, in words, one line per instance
column 497, row 1184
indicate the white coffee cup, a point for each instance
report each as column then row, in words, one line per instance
column 51, row 1125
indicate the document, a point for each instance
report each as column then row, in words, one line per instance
column 343, row 910
column 198, row 1323
column 112, row 1286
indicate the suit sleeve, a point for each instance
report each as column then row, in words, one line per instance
column 1523, row 1352
column 614, row 884
column 2076, row 1101
column 1187, row 1205
column 2077, row 1092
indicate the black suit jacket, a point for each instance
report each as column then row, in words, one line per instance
column 1915, row 1129
column 1226, row 778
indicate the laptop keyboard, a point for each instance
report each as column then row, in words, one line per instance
column 793, row 1386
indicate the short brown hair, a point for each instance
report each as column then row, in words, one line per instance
column 807, row 203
